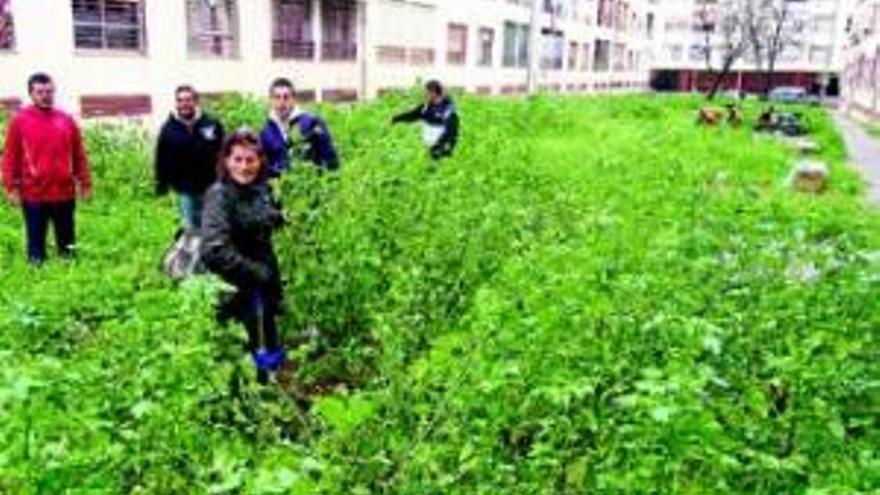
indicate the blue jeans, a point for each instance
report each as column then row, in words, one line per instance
column 37, row 217
column 190, row 206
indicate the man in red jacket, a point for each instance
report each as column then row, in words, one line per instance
column 45, row 169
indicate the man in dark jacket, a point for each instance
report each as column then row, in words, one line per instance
column 439, row 121
column 186, row 155
column 315, row 142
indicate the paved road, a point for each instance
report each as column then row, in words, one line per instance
column 864, row 153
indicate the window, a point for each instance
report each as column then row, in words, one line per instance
column 7, row 31
column 516, row 45
column 649, row 25
column 704, row 21
column 572, row 55
column 621, row 16
column 619, row 57
column 558, row 8
column 676, row 52
column 876, row 75
column 603, row 12
column 586, row 49
column 522, row 55
column 553, row 45
column 213, row 27
column 339, row 28
column 292, row 29
column 409, row 42
column 823, row 24
column 456, row 47
column 511, row 31
column 486, row 40
column 697, row 53
column 875, row 16
column 820, row 55
column 677, row 25
column 602, row 56
column 109, row 25
column 790, row 53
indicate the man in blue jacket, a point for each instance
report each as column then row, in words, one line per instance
column 315, row 143
column 439, row 121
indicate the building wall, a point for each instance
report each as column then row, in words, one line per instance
column 144, row 81
column 44, row 42
column 818, row 57
column 861, row 76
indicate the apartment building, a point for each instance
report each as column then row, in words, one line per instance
column 124, row 57
column 861, row 74
column 813, row 61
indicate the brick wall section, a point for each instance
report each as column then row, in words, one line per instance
column 115, row 105
column 339, row 95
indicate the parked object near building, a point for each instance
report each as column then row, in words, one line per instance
column 783, row 123
column 789, row 124
column 792, row 94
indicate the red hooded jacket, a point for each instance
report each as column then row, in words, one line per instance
column 45, row 158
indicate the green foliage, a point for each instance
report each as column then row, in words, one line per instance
column 239, row 110
column 592, row 296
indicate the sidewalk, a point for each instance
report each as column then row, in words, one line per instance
column 863, row 151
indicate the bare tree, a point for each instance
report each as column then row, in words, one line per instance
column 724, row 38
column 773, row 27
column 754, row 23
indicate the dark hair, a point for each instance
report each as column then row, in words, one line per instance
column 187, row 88
column 435, row 87
column 38, row 78
column 244, row 136
column 281, row 82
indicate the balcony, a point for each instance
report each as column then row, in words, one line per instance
column 335, row 51
column 290, row 49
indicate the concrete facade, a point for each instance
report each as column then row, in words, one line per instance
column 813, row 64
column 398, row 42
column 861, row 76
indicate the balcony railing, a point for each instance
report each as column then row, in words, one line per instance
column 293, row 49
column 338, row 51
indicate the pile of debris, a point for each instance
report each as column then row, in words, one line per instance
column 714, row 116
column 809, row 176
column 781, row 123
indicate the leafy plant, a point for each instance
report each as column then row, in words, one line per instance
column 593, row 296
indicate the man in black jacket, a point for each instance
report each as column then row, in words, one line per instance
column 186, row 155
column 439, row 120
